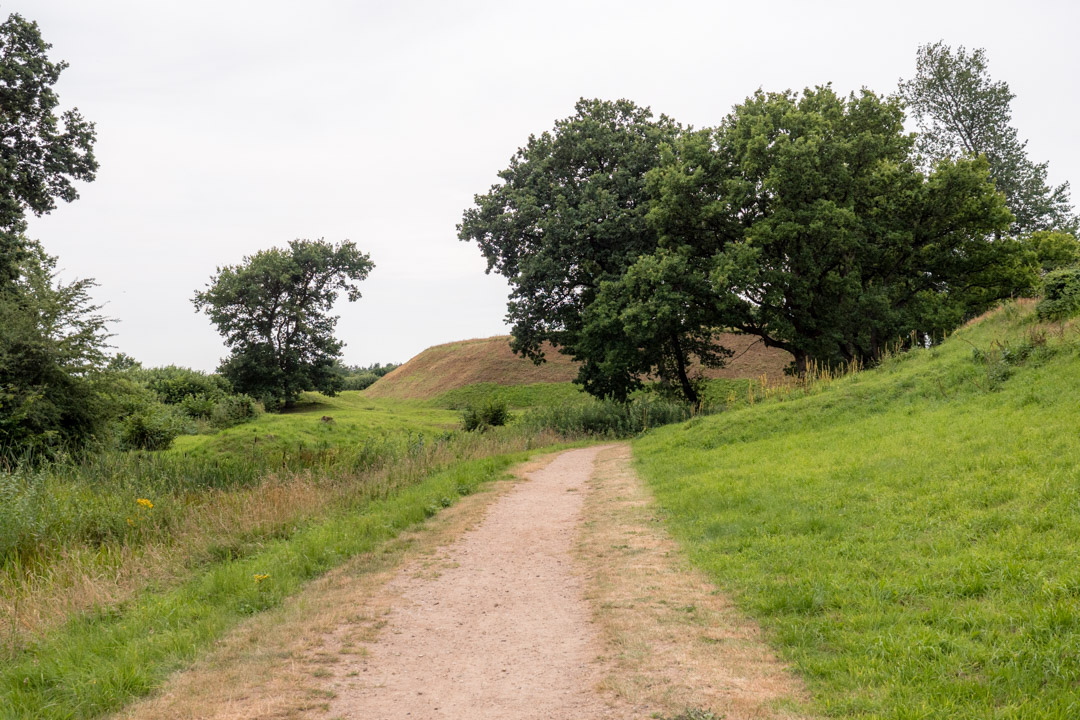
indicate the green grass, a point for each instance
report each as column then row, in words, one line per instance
column 355, row 420
column 98, row 663
column 909, row 536
column 515, row 396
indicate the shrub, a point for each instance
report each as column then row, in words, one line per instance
column 360, row 382
column 173, row 385
column 491, row 414
column 198, row 406
column 233, row 410
column 608, row 417
column 1061, row 294
column 150, row 428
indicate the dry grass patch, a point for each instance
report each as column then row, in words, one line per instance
column 79, row 577
column 675, row 641
column 490, row 360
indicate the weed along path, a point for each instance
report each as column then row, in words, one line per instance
column 497, row 626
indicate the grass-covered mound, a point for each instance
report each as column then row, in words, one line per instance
column 909, row 535
column 441, row 370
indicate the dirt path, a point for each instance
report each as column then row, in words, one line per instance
column 556, row 595
column 503, row 629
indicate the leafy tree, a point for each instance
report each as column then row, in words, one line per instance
column 1052, row 250
column 272, row 310
column 52, row 341
column 962, row 112
column 818, row 233
column 568, row 217
column 41, row 153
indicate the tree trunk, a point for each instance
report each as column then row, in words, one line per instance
column 800, row 363
column 684, row 379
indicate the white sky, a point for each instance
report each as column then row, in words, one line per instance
column 228, row 127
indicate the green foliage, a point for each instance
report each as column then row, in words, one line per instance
column 151, row 428
column 173, row 384
column 514, row 396
column 356, row 377
column 961, row 112
column 1060, row 294
column 43, row 151
column 607, row 418
column 233, row 410
column 906, row 537
column 801, row 219
column 273, row 310
column 820, row 234
column 493, row 413
column 568, row 217
column 52, row 392
column 1051, row 250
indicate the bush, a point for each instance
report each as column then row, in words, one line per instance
column 1061, row 294
column 199, row 407
column 491, row 414
column 608, row 417
column 150, row 428
column 360, row 382
column 173, row 385
column 233, row 410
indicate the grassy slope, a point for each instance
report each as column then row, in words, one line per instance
column 443, row 369
column 908, row 537
column 356, row 419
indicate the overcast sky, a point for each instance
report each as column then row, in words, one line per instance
column 228, row 127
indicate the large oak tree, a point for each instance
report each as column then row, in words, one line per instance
column 568, row 216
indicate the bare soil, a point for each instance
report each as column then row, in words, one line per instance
column 498, row 627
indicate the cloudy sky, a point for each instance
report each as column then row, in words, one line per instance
column 230, row 126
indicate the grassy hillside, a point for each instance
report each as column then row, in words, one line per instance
column 908, row 536
column 320, row 424
column 490, row 361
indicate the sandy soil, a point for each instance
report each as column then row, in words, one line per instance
column 501, row 628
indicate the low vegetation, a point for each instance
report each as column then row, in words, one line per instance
column 907, row 536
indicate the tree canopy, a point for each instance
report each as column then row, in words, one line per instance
column 569, row 216
column 52, row 338
column 41, row 152
column 961, row 111
column 805, row 220
column 821, row 235
column 52, row 347
column 273, row 311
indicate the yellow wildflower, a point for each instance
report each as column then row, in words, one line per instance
column 145, row 503
column 259, row 577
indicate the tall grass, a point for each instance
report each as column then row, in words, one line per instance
column 94, row 530
column 607, row 418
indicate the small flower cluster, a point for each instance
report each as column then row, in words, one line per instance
column 259, row 577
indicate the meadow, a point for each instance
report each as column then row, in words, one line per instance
column 907, row 536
